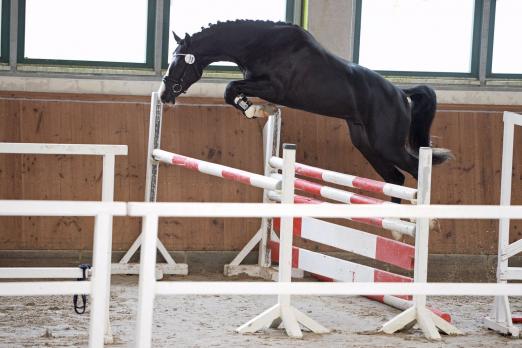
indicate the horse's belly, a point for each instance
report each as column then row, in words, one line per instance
column 321, row 104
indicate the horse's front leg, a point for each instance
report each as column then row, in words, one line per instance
column 237, row 93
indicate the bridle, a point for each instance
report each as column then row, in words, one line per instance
column 177, row 85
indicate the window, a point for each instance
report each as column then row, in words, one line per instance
column 189, row 16
column 505, row 41
column 95, row 32
column 429, row 37
column 4, row 30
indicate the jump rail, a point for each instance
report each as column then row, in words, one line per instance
column 221, row 171
column 349, row 180
column 99, row 284
column 403, row 227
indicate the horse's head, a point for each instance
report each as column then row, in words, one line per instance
column 183, row 71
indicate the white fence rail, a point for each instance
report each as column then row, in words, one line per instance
column 179, row 209
column 108, row 154
column 151, row 212
column 98, row 286
column 336, row 288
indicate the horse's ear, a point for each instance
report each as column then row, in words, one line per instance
column 187, row 38
column 176, row 37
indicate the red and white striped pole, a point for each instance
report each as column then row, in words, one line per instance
column 350, row 180
column 218, row 170
column 397, row 225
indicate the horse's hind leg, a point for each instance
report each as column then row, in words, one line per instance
column 237, row 93
column 384, row 167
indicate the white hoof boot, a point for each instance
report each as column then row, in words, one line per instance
column 255, row 111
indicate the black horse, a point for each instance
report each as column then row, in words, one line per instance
column 283, row 64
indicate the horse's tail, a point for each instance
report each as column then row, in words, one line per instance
column 424, row 105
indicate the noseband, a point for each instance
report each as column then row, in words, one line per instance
column 177, row 85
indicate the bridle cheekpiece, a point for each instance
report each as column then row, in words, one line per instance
column 177, row 85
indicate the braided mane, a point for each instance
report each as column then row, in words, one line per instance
column 219, row 25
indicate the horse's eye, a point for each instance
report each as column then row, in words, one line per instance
column 176, row 88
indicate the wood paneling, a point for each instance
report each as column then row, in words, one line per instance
column 208, row 130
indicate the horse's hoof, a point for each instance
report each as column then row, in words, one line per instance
column 256, row 111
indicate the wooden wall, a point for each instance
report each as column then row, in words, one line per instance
column 206, row 129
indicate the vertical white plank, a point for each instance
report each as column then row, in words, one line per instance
column 286, row 235
column 502, row 309
column 151, row 174
column 422, row 234
column 99, row 280
column 108, row 175
column 155, row 120
column 271, row 143
column 147, row 282
column 108, row 178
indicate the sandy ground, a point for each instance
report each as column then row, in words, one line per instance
column 209, row 321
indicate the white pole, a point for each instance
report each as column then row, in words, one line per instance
column 108, row 174
column 271, row 141
column 422, row 235
column 502, row 310
column 100, row 276
column 155, row 119
column 286, row 235
column 147, row 281
column 151, row 173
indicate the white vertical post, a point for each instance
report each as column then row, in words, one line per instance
column 501, row 319
column 100, row 276
column 151, row 177
column 283, row 312
column 502, row 302
column 151, row 174
column 155, row 119
column 429, row 323
column 286, row 235
column 422, row 230
column 147, row 282
column 108, row 178
column 271, row 142
column 108, row 174
column 288, row 316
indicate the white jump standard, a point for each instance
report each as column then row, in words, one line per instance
column 322, row 266
column 501, row 318
column 283, row 313
column 151, row 188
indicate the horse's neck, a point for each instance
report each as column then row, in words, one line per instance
column 223, row 46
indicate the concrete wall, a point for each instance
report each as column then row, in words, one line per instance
column 332, row 23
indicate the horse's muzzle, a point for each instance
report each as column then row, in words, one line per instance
column 166, row 96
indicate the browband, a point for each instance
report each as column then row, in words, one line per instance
column 189, row 58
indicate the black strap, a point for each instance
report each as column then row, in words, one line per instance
column 243, row 102
column 81, row 309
